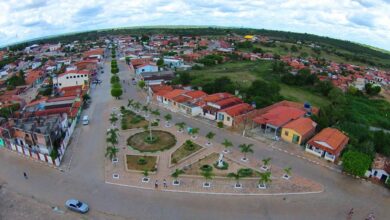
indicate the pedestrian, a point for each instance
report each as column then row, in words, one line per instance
column 25, row 175
column 156, row 184
column 165, row 183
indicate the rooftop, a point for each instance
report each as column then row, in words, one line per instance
column 301, row 125
column 330, row 139
column 279, row 116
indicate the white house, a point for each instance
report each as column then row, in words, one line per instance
column 380, row 168
column 71, row 78
column 172, row 62
column 146, row 68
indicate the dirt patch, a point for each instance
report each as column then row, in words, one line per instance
column 131, row 120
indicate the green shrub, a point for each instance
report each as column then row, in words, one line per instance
column 245, row 172
column 206, row 168
column 189, row 145
column 220, row 124
column 174, row 160
column 224, row 167
column 142, row 161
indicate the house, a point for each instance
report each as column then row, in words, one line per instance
column 327, row 144
column 147, row 67
column 298, row 131
column 156, row 78
column 94, row 54
column 72, row 78
column 186, row 102
column 275, row 118
column 380, row 168
column 211, row 108
column 167, row 97
column 34, row 77
column 228, row 115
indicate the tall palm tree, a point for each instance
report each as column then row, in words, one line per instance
column 227, row 144
column 111, row 152
column 265, row 178
column 137, row 106
column 180, row 126
column 168, row 118
column 113, row 118
column 209, row 137
column 208, row 175
column 235, row 176
column 112, row 136
column 176, row 175
column 246, row 148
column 145, row 109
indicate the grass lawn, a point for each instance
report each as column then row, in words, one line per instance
column 132, row 162
column 164, row 141
column 301, row 95
column 131, row 120
column 183, row 151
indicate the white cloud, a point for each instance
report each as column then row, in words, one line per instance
column 364, row 21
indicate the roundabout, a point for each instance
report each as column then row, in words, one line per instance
column 158, row 141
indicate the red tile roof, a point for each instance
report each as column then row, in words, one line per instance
column 217, row 96
column 279, row 116
column 174, row 93
column 195, row 94
column 93, row 52
column 33, row 75
column 302, row 126
column 238, row 109
column 330, row 140
column 157, row 88
column 228, row 101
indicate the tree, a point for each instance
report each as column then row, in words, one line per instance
column 116, row 92
column 156, row 112
column 114, row 79
column 136, row 106
column 145, row 108
column 372, row 89
column 145, row 173
column 287, row 171
column 113, row 118
column 208, row 175
column 175, row 175
column 210, row 136
column 141, row 84
column 130, row 102
column 356, row 163
column 112, row 136
column 266, row 161
column 168, row 118
column 180, row 126
column 246, row 148
column 194, row 132
column 160, row 63
column 235, row 176
column 127, row 59
column 114, row 70
column 265, row 178
column 86, row 97
column 227, row 144
column 111, row 152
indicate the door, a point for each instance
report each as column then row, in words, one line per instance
column 295, row 139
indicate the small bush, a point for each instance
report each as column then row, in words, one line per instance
column 142, row 161
column 224, row 167
column 174, row 160
column 220, row 124
column 206, row 168
column 245, row 172
column 189, row 145
column 155, row 124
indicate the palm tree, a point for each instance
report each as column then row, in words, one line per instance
column 112, row 136
column 180, row 126
column 287, row 172
column 246, row 148
column 227, row 144
column 130, row 102
column 210, row 136
column 168, row 118
column 113, row 118
column 111, row 152
column 145, row 108
column 194, row 132
column 265, row 178
column 136, row 106
column 266, row 162
column 208, row 175
column 155, row 112
column 176, row 175
column 235, row 176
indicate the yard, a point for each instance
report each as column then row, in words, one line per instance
column 184, row 151
column 141, row 163
column 131, row 120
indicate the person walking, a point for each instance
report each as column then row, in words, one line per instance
column 25, row 175
column 156, row 184
column 165, row 183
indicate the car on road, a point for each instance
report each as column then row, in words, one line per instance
column 133, row 81
column 85, row 120
column 77, row 206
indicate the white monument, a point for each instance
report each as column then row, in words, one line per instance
column 220, row 161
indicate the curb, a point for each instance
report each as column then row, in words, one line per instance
column 216, row 193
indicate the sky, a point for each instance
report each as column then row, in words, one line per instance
column 362, row 21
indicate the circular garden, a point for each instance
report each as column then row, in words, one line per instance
column 161, row 140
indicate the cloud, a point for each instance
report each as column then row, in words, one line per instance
column 364, row 21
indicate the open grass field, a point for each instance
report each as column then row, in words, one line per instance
column 301, row 95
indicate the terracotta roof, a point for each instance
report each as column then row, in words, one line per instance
column 238, row 109
column 195, row 94
column 157, row 88
column 33, row 75
column 330, row 139
column 174, row 93
column 181, row 98
column 217, row 96
column 93, row 52
column 301, row 125
column 228, row 102
column 279, row 116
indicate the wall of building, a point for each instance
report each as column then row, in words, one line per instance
column 71, row 80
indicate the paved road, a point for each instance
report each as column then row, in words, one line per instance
column 85, row 180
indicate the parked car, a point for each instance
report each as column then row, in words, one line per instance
column 77, row 206
column 85, row 120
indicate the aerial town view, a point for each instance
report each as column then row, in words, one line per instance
column 194, row 109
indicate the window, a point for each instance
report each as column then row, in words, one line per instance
column 67, row 77
column 78, row 76
column 286, row 133
column 85, row 75
column 228, row 118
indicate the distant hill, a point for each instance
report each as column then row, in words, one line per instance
column 347, row 49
